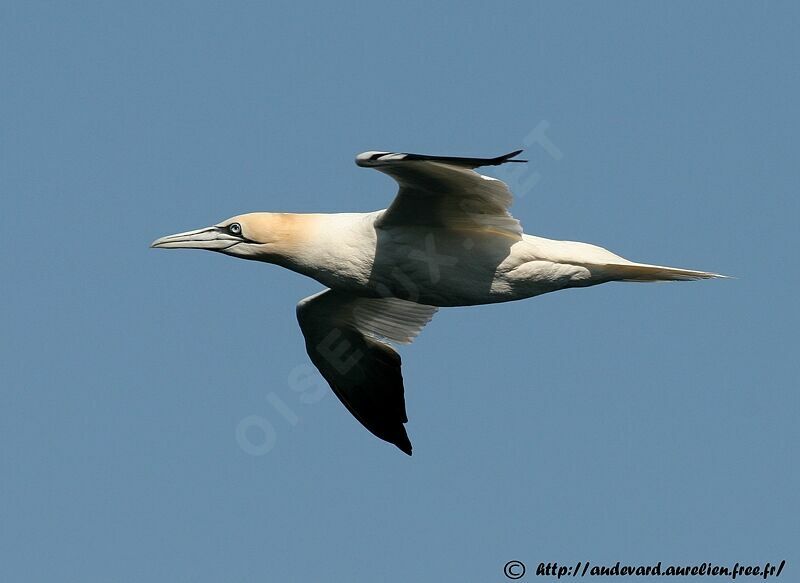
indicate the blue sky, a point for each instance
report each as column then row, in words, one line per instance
column 624, row 422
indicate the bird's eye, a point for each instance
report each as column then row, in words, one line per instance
column 235, row 228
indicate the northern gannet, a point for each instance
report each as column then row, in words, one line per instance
column 447, row 239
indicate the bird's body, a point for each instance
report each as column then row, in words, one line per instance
column 435, row 266
column 446, row 240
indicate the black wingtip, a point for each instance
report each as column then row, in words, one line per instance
column 376, row 158
column 402, row 442
column 507, row 157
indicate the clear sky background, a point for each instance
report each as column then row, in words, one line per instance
column 624, row 422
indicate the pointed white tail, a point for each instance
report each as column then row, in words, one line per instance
column 644, row 273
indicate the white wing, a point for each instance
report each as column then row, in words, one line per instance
column 445, row 191
column 346, row 340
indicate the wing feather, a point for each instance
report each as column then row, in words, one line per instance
column 346, row 338
column 445, row 192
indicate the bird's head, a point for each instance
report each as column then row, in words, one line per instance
column 250, row 236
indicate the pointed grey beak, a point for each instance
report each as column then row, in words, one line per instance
column 212, row 238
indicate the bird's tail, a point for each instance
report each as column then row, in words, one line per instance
column 641, row 272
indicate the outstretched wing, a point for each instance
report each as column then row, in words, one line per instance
column 445, row 191
column 346, row 338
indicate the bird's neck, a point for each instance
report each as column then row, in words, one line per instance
column 331, row 248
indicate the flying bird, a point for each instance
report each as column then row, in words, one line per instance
column 447, row 239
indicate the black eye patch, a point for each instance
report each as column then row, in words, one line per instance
column 235, row 229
